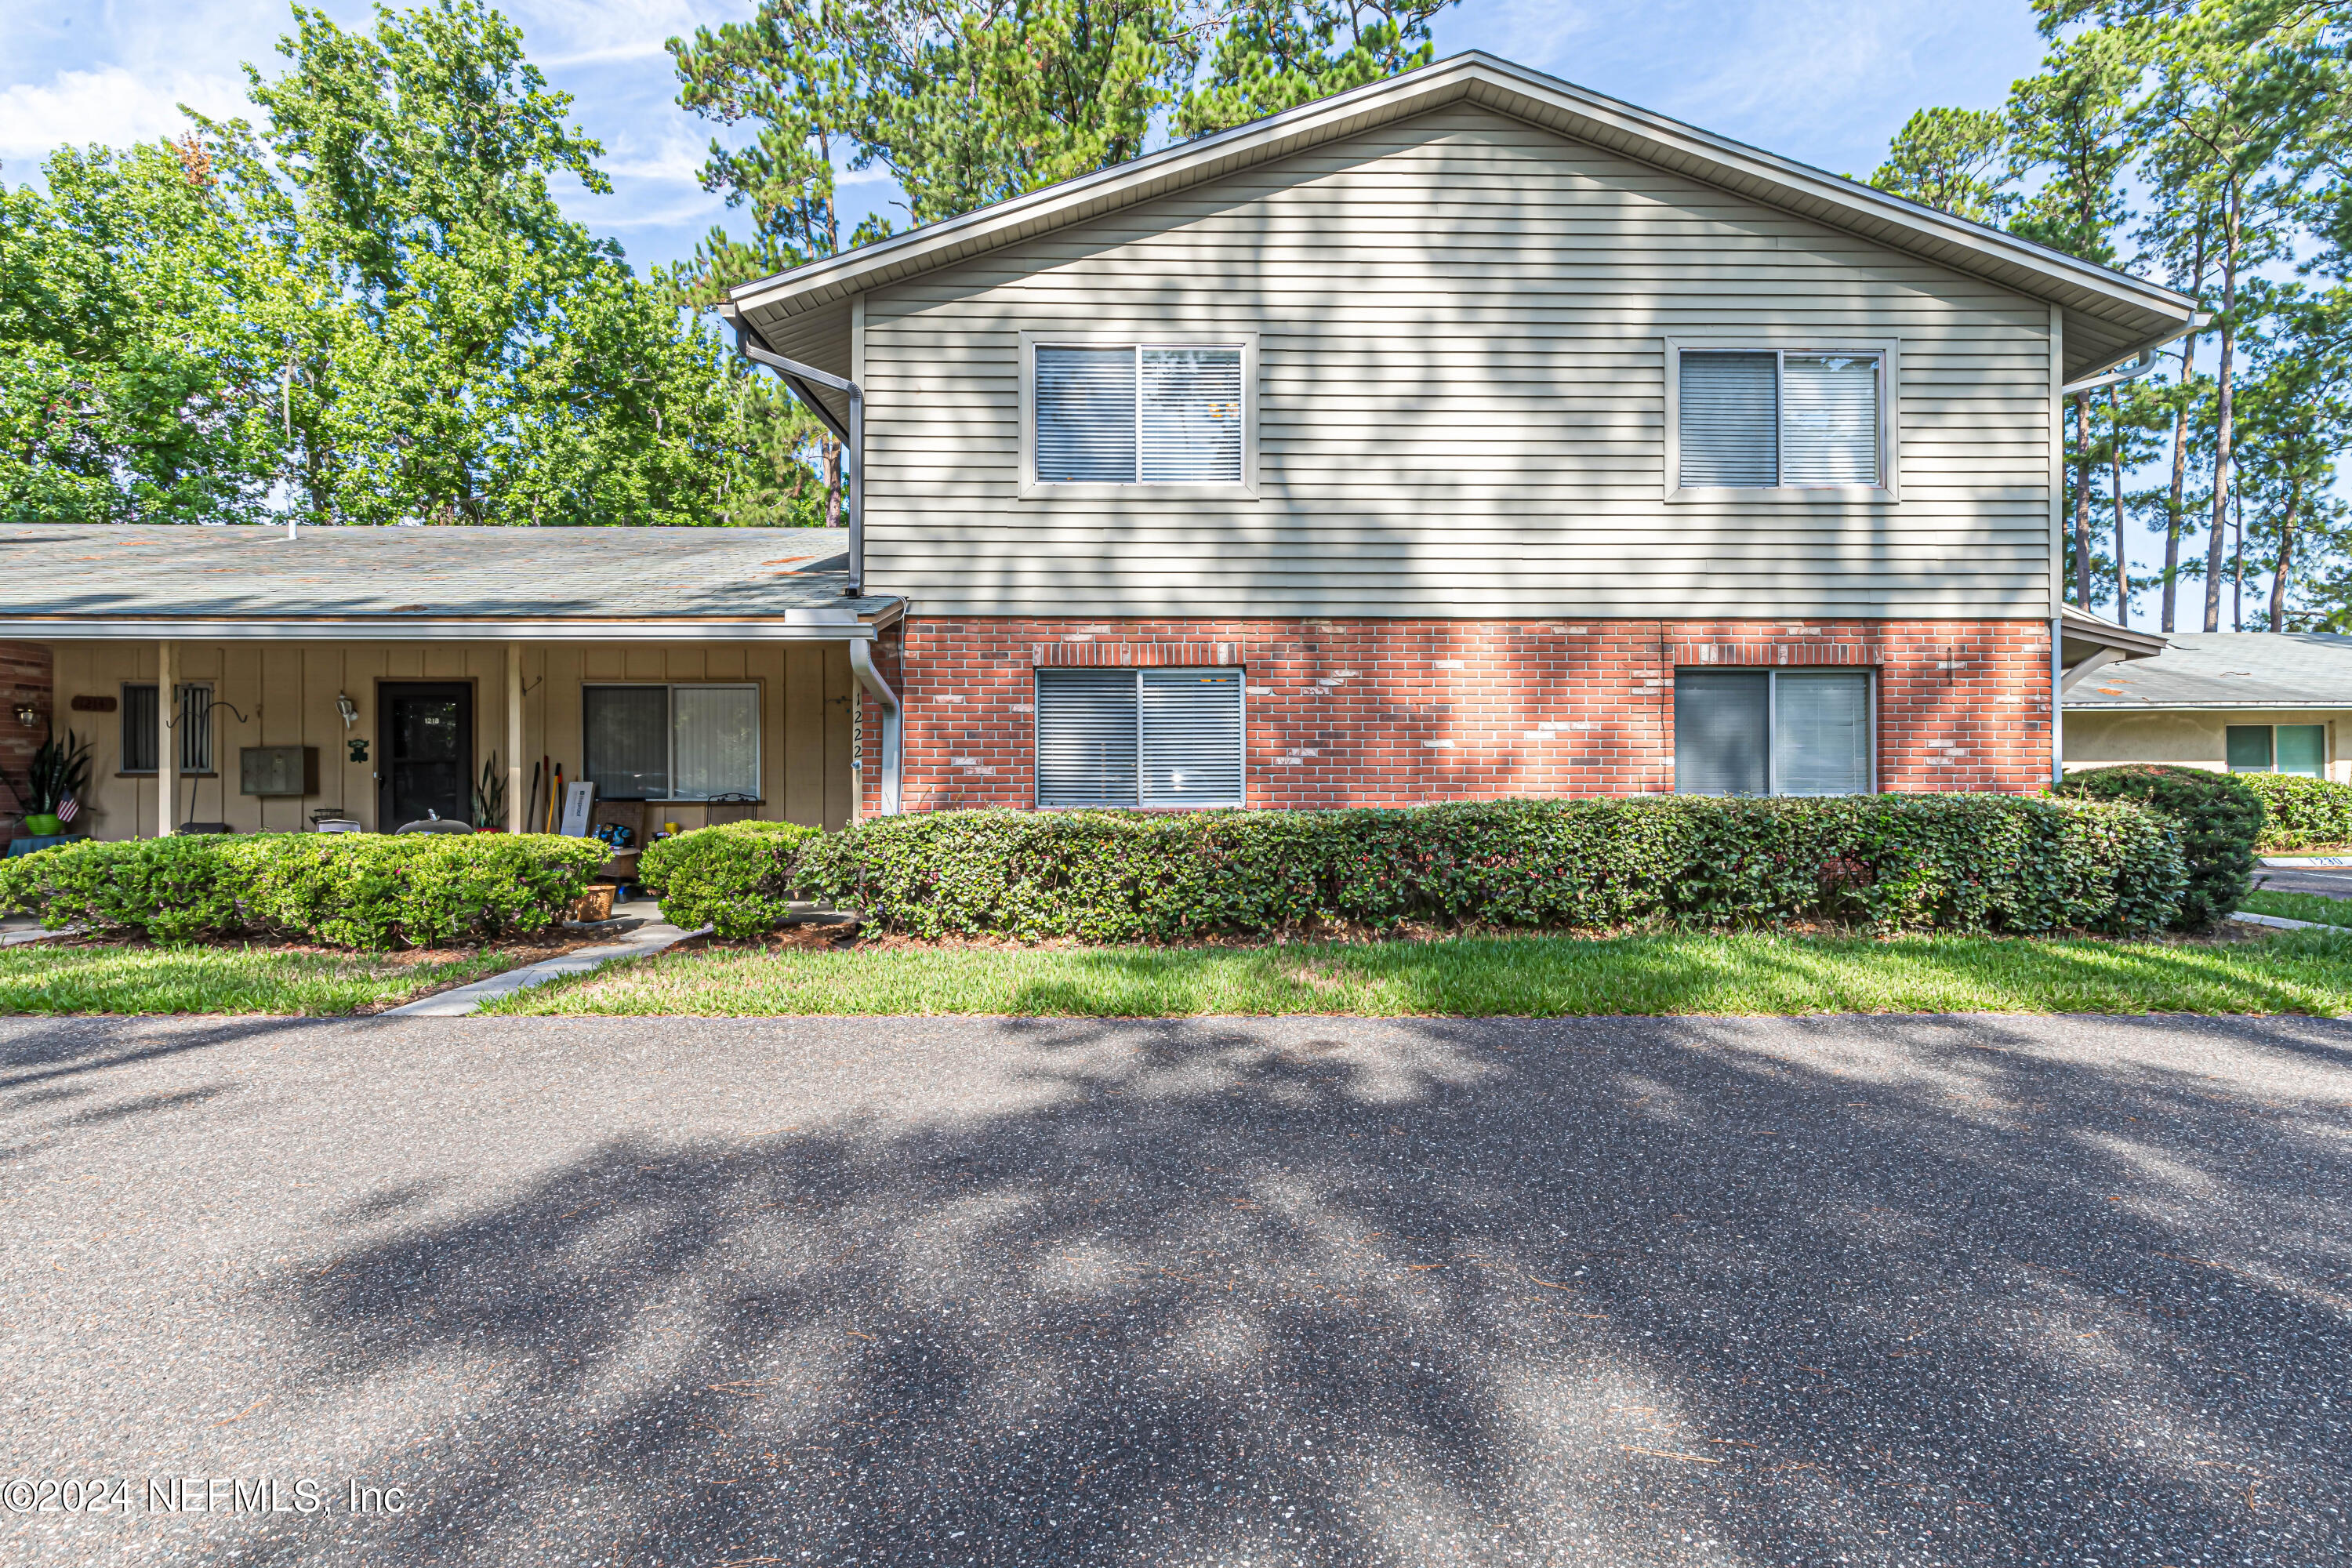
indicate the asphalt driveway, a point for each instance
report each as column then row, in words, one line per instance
column 1867, row 1291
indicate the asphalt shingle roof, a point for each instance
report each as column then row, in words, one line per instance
column 2228, row 670
column 73, row 570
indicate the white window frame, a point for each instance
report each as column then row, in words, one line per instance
column 669, row 738
column 1241, row 687
column 1033, row 488
column 1772, row 674
column 1890, row 402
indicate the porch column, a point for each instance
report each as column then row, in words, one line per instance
column 514, row 738
column 167, row 739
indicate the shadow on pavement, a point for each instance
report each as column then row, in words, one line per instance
column 1877, row 1291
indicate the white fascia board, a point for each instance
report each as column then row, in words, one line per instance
column 838, row 626
column 1637, row 132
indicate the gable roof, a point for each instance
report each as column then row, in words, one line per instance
column 2109, row 315
column 162, row 580
column 2228, row 670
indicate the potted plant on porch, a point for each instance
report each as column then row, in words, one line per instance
column 56, row 777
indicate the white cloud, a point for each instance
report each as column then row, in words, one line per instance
column 110, row 106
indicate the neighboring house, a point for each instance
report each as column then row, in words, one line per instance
column 2238, row 703
column 671, row 666
column 1467, row 435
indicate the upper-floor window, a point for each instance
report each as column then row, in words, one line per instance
column 1779, row 419
column 1137, row 413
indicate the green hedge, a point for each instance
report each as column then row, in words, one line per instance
column 2216, row 818
column 730, row 877
column 361, row 890
column 2299, row 812
column 1954, row 862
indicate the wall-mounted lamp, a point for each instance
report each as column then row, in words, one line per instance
column 348, row 709
column 27, row 715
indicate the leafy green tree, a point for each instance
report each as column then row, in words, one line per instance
column 2296, row 420
column 1275, row 54
column 1955, row 160
column 2068, row 127
column 129, row 386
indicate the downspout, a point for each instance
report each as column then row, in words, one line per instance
column 803, row 379
column 861, row 662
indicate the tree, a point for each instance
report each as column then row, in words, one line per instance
column 2233, row 86
column 2297, row 419
column 2069, row 127
column 1955, row 160
column 1275, row 54
column 129, row 386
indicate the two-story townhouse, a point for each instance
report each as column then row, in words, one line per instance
column 1467, row 435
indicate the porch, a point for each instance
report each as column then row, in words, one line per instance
column 378, row 676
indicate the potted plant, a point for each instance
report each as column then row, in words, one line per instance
column 491, row 799
column 59, row 772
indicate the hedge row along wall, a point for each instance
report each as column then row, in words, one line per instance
column 2301, row 813
column 1956, row 862
column 361, row 890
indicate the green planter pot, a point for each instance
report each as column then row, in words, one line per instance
column 45, row 825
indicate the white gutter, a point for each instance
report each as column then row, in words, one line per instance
column 2145, row 362
column 861, row 662
column 801, row 378
column 796, row 626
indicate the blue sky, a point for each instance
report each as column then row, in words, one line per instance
column 1827, row 81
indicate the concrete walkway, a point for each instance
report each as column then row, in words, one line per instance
column 651, row 937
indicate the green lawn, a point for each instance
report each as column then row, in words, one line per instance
column 2308, row 971
column 2299, row 906
column 48, row 978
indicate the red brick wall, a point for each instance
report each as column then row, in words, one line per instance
column 1395, row 712
column 25, row 676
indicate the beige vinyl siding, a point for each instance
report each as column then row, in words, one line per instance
column 1462, row 401
column 287, row 692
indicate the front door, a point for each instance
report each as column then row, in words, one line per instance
column 425, row 739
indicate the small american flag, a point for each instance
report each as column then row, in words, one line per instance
column 68, row 808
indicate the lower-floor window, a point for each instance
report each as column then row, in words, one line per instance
column 1772, row 733
column 1138, row 737
column 2278, row 749
column 195, row 727
column 672, row 743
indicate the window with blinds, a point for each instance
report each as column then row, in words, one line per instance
column 1772, row 733
column 1771, row 418
column 671, row 743
column 1137, row 414
column 1138, row 737
column 195, row 727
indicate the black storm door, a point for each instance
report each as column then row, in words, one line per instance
column 425, row 740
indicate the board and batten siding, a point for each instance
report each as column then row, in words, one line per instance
column 286, row 693
column 1461, row 322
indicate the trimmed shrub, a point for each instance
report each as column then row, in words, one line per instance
column 2216, row 817
column 1956, row 862
column 2298, row 812
column 363, row 890
column 730, row 877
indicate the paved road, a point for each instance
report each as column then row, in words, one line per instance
column 1873, row 1290
column 2300, row 879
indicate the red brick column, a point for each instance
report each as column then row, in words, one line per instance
column 1398, row 712
column 26, row 675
